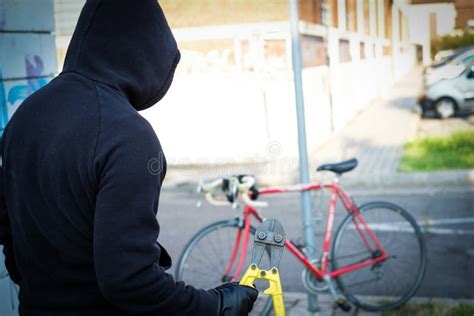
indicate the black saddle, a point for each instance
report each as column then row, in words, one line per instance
column 339, row 167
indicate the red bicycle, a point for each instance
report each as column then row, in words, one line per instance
column 378, row 248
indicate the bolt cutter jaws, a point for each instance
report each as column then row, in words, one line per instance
column 270, row 236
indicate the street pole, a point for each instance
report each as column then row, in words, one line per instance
column 303, row 152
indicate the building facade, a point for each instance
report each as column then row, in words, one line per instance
column 236, row 69
column 464, row 10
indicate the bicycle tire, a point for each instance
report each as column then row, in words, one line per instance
column 266, row 306
column 419, row 274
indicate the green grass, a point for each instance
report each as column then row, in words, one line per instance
column 455, row 151
column 452, row 41
column 432, row 309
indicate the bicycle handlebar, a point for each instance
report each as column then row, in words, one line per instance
column 243, row 187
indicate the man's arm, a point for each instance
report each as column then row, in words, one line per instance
column 130, row 166
column 5, row 231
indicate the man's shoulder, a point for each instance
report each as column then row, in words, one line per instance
column 65, row 103
column 119, row 117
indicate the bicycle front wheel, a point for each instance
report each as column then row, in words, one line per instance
column 390, row 283
column 205, row 259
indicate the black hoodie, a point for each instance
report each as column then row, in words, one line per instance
column 82, row 172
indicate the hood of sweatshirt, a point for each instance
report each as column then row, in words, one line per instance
column 126, row 44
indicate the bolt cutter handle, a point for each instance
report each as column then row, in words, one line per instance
column 274, row 290
column 270, row 238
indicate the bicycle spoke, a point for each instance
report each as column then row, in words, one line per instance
column 396, row 276
column 361, row 282
column 351, row 255
column 216, row 245
column 212, row 243
column 208, row 258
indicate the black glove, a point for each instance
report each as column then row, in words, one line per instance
column 235, row 299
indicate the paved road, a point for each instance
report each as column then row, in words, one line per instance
column 447, row 215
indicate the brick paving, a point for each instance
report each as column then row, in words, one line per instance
column 377, row 134
column 297, row 305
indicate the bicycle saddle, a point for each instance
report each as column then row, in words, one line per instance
column 339, row 167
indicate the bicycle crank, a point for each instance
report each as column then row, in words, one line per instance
column 269, row 237
column 310, row 282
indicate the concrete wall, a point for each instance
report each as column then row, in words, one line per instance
column 247, row 116
column 28, row 52
column 27, row 62
column 228, row 103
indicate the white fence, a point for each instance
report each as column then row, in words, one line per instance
column 243, row 116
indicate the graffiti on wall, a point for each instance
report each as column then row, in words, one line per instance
column 12, row 94
column 35, row 79
column 12, row 288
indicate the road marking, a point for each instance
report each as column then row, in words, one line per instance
column 425, row 226
column 446, row 221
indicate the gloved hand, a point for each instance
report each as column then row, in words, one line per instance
column 235, row 299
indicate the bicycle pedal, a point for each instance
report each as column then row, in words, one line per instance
column 342, row 304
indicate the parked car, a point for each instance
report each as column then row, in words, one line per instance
column 451, row 69
column 448, row 97
column 443, row 55
column 443, row 61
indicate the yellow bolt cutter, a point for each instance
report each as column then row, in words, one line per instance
column 270, row 237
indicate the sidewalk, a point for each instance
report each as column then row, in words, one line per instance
column 375, row 137
column 297, row 304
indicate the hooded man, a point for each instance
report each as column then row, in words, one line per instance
column 82, row 172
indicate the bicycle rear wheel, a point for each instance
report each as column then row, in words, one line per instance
column 205, row 258
column 389, row 283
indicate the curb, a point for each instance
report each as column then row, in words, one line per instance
column 413, row 180
column 297, row 304
column 323, row 298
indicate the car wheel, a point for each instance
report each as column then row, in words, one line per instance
column 445, row 107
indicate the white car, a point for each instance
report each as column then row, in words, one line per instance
column 442, row 55
column 450, row 70
column 450, row 96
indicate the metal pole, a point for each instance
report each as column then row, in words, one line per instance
column 303, row 152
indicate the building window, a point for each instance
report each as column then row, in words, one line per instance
column 313, row 52
column 333, row 10
column 275, row 54
column 310, row 11
column 379, row 13
column 351, row 15
column 362, row 50
column 377, row 26
column 344, row 51
column 388, row 18
column 366, row 9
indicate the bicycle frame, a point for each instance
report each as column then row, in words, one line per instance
column 367, row 236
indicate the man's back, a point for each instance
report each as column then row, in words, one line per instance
column 50, row 191
column 79, row 200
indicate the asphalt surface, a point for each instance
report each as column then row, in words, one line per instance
column 446, row 215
